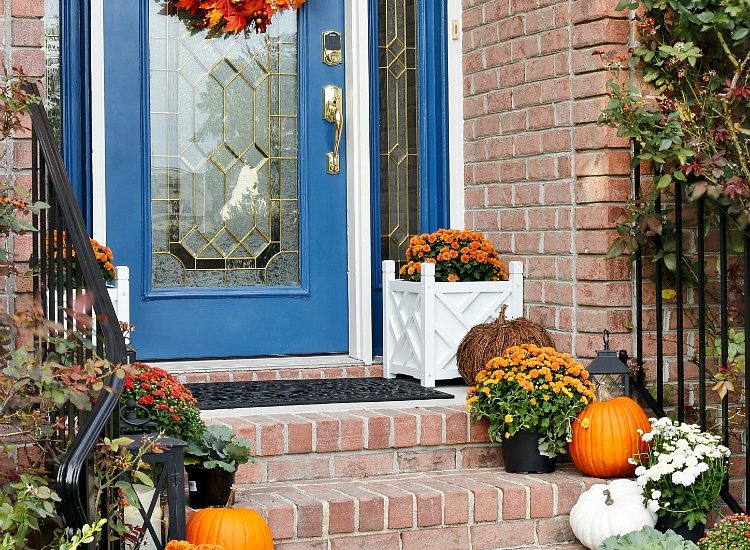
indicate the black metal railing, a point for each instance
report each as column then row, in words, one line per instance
column 73, row 294
column 683, row 338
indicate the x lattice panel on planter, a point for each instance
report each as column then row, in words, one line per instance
column 425, row 321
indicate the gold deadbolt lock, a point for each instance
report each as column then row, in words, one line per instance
column 332, row 48
column 333, row 111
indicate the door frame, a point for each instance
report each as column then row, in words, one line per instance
column 358, row 150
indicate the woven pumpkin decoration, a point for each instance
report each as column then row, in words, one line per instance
column 230, row 528
column 490, row 340
column 605, row 436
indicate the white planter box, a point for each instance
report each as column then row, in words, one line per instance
column 119, row 293
column 424, row 322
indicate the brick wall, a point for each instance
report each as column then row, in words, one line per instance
column 21, row 43
column 542, row 178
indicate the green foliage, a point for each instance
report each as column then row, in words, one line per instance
column 729, row 533
column 647, row 538
column 219, row 447
column 533, row 389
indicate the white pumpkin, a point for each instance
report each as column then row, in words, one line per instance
column 605, row 510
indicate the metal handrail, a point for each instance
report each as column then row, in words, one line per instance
column 48, row 169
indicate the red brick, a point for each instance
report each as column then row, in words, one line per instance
column 386, row 541
column 400, row 505
column 31, row 61
column 352, row 433
column 302, row 468
column 499, row 535
column 27, row 8
column 554, row 530
column 364, row 465
column 371, row 508
column 427, row 461
column 309, row 512
column 436, row 539
column 431, row 428
column 481, row 457
column 27, row 32
column 277, row 511
column 270, row 437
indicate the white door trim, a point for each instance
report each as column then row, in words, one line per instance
column 98, row 135
column 456, row 115
column 357, row 62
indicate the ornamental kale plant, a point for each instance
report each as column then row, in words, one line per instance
column 218, row 448
column 683, row 471
column 647, row 538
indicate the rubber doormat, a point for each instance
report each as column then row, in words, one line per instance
column 276, row 393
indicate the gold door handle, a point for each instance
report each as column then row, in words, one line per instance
column 333, row 111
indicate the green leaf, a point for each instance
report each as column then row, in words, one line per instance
column 617, row 249
column 706, row 17
column 740, row 33
column 143, row 477
column 664, row 181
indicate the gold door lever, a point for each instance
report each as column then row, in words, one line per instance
column 333, row 111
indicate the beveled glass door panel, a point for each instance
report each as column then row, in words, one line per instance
column 218, row 197
column 224, row 134
column 399, row 126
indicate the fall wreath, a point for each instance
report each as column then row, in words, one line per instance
column 229, row 17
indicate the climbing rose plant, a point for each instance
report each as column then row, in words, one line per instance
column 688, row 115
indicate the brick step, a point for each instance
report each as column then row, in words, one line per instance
column 259, row 373
column 485, row 509
column 362, row 443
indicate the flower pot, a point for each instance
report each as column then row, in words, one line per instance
column 666, row 523
column 521, row 455
column 424, row 322
column 209, row 487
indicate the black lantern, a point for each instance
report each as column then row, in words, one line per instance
column 158, row 514
column 610, row 369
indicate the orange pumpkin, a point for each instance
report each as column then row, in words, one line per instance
column 605, row 436
column 231, row 528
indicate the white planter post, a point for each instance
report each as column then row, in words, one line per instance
column 427, row 281
column 424, row 322
column 120, row 294
column 389, row 275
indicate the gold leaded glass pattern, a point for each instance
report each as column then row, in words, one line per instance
column 224, row 188
column 52, row 64
column 399, row 142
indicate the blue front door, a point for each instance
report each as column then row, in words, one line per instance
column 218, row 196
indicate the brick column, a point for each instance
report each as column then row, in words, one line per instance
column 22, row 47
column 542, row 179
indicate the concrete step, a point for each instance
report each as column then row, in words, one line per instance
column 362, row 443
column 485, row 509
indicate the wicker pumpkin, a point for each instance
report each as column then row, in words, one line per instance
column 605, row 436
column 489, row 340
column 231, row 528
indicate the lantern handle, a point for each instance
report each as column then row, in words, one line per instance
column 606, row 339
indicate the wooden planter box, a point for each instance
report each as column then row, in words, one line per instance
column 424, row 322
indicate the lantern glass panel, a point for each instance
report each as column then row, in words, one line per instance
column 613, row 383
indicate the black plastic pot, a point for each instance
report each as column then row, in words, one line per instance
column 521, row 455
column 695, row 534
column 208, row 488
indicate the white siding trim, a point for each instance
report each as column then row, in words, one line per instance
column 456, row 116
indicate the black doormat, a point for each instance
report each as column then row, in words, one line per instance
column 277, row 393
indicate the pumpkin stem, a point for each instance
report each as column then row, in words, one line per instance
column 501, row 315
column 609, row 501
column 602, row 393
column 230, row 500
